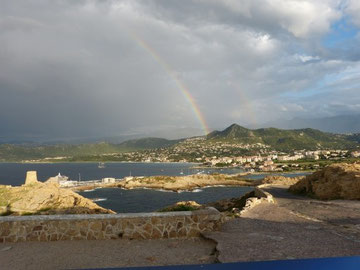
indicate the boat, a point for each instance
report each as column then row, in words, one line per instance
column 99, row 199
column 101, row 165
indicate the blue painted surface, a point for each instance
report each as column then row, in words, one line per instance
column 343, row 263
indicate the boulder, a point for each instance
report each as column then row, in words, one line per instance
column 337, row 181
column 182, row 206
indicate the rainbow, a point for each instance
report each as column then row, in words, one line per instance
column 175, row 78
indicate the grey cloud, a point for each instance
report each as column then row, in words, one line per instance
column 352, row 7
column 78, row 68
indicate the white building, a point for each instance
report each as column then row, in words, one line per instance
column 59, row 179
column 108, row 180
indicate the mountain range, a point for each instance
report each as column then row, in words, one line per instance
column 285, row 140
column 336, row 124
column 277, row 139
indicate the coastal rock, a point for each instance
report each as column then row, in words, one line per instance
column 281, row 180
column 46, row 198
column 337, row 181
column 189, row 182
column 183, row 206
column 228, row 205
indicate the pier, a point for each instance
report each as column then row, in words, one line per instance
column 93, row 183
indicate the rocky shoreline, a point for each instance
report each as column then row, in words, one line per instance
column 37, row 198
column 176, row 183
column 338, row 181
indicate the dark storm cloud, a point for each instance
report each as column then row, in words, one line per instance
column 91, row 68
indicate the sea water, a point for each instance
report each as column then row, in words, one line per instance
column 126, row 201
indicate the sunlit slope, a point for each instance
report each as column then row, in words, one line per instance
column 281, row 139
column 9, row 152
column 276, row 139
column 147, row 143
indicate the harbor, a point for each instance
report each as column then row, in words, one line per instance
column 64, row 182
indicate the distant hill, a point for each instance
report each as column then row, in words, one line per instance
column 147, row 143
column 354, row 137
column 335, row 124
column 25, row 152
column 281, row 139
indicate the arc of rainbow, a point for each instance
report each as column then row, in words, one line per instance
column 175, row 78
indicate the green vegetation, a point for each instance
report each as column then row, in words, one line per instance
column 147, row 143
column 311, row 165
column 284, row 140
column 354, row 137
column 21, row 152
column 233, row 141
column 83, row 152
column 179, row 208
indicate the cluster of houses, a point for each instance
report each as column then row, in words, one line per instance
column 222, row 154
column 275, row 160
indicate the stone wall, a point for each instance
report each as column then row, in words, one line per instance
column 107, row 226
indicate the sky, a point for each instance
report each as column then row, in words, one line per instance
column 106, row 68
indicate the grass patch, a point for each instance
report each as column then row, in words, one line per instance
column 179, row 208
column 27, row 214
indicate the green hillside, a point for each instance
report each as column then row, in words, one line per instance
column 277, row 139
column 147, row 143
column 10, row 152
column 354, row 137
column 283, row 140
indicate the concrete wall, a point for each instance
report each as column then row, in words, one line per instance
column 92, row 227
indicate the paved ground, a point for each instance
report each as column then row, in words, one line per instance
column 340, row 216
column 107, row 253
column 294, row 227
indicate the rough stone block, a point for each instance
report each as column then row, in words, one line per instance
column 31, row 178
column 96, row 226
